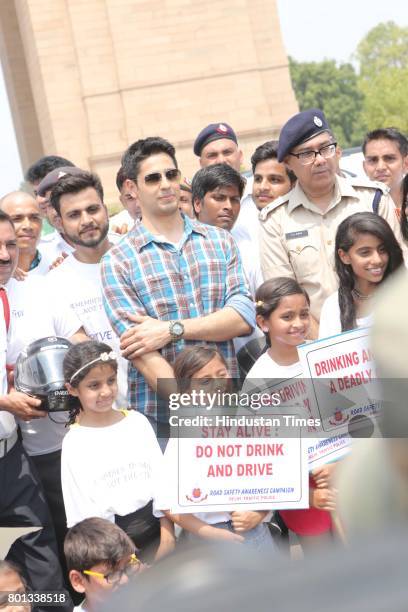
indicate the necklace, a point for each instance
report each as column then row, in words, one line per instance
column 360, row 296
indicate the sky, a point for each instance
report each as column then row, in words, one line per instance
column 311, row 29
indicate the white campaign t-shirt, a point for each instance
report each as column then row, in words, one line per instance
column 246, row 227
column 53, row 245
column 249, row 251
column 109, row 470
column 79, row 286
column 34, row 314
column 330, row 324
column 266, row 371
column 43, row 267
column 266, row 368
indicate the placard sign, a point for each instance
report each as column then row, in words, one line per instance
column 294, row 393
column 237, row 473
column 343, row 389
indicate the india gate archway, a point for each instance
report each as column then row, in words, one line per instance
column 85, row 78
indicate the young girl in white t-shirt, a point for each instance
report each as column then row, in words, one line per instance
column 282, row 313
column 204, row 368
column 111, row 459
column 366, row 253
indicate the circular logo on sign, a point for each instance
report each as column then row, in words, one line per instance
column 317, row 121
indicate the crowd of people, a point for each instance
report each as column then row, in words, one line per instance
column 217, row 278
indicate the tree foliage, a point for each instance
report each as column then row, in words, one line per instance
column 356, row 101
column 383, row 80
column 334, row 89
column 385, row 47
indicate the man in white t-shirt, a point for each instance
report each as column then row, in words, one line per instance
column 34, row 314
column 217, row 143
column 76, row 282
column 56, row 244
column 26, row 217
column 22, row 502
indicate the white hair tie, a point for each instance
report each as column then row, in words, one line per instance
column 104, row 357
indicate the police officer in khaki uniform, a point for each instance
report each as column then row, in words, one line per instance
column 298, row 229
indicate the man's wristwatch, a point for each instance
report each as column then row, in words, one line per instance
column 176, row 329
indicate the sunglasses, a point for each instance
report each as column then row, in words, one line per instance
column 116, row 576
column 156, row 177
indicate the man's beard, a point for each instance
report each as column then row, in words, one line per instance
column 92, row 242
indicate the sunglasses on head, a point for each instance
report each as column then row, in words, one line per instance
column 156, row 177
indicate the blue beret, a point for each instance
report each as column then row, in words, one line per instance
column 299, row 129
column 212, row 132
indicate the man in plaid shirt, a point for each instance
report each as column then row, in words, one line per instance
column 171, row 281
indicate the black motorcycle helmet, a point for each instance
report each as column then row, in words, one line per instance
column 38, row 372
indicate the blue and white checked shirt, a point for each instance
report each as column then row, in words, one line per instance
column 146, row 275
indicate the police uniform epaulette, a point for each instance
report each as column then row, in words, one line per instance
column 358, row 181
column 270, row 207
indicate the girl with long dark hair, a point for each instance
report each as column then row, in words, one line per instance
column 366, row 253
